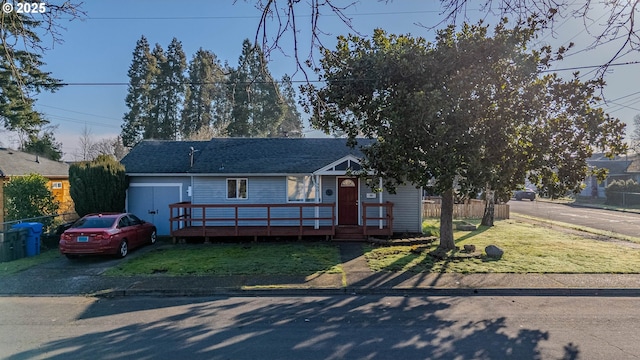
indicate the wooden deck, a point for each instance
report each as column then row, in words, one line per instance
column 192, row 220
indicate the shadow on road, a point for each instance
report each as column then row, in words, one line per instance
column 302, row 328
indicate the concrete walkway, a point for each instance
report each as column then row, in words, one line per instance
column 47, row 280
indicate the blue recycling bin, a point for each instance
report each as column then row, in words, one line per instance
column 33, row 237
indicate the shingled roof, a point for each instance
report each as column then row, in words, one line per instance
column 18, row 163
column 239, row 155
column 616, row 166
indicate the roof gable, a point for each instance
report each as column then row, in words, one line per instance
column 339, row 166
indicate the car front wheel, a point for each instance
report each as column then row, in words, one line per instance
column 123, row 249
column 153, row 237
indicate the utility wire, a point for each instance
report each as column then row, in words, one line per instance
column 320, row 81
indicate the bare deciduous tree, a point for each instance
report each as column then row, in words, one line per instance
column 606, row 21
column 281, row 20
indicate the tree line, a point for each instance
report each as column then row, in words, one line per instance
column 169, row 99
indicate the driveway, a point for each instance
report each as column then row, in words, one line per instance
column 63, row 276
column 606, row 220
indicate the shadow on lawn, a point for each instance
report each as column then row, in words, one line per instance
column 423, row 271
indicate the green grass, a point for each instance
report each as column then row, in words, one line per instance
column 528, row 249
column 235, row 259
column 586, row 229
column 12, row 267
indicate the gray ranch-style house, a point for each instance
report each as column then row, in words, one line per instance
column 264, row 187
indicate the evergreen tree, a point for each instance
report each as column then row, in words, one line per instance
column 141, row 72
column 44, row 144
column 438, row 112
column 98, row 186
column 157, row 91
column 172, row 79
column 635, row 135
column 291, row 125
column 257, row 109
column 21, row 77
column 205, row 98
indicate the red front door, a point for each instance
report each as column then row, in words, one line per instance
column 347, row 201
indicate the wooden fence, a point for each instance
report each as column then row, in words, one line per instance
column 472, row 210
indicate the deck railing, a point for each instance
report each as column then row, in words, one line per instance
column 187, row 219
column 183, row 215
column 384, row 220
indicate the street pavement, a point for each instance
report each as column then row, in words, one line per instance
column 63, row 277
column 582, row 215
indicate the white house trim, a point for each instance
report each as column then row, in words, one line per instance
column 330, row 169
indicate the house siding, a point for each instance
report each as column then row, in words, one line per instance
column 407, row 211
column 260, row 190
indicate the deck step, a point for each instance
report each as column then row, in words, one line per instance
column 349, row 232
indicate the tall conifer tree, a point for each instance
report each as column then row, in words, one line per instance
column 291, row 125
column 257, row 105
column 141, row 73
column 21, row 77
column 172, row 77
column 205, row 95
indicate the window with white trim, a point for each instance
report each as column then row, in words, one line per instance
column 56, row 185
column 237, row 188
column 301, row 189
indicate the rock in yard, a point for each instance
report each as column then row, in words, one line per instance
column 469, row 248
column 466, row 227
column 494, row 252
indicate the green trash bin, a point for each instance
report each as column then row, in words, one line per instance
column 13, row 244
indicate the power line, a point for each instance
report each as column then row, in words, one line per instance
column 78, row 112
column 592, row 66
column 321, row 81
column 252, row 16
column 79, row 121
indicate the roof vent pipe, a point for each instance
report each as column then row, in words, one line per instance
column 191, row 152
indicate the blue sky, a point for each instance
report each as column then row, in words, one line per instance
column 98, row 50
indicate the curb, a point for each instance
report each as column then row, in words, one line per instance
column 580, row 292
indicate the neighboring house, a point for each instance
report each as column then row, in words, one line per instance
column 15, row 163
column 263, row 187
column 619, row 168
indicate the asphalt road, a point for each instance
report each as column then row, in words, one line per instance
column 337, row 327
column 607, row 220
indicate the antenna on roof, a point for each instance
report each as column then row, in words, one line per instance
column 191, row 152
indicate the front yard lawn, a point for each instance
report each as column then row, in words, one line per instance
column 527, row 249
column 15, row 266
column 235, row 259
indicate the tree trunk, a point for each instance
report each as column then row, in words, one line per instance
column 489, row 208
column 446, row 222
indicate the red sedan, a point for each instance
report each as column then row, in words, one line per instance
column 106, row 234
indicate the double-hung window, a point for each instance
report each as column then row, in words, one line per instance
column 301, row 189
column 237, row 188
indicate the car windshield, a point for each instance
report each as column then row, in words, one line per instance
column 94, row 222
